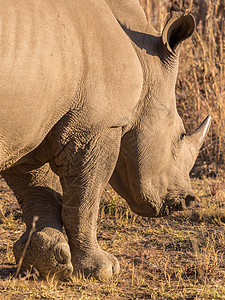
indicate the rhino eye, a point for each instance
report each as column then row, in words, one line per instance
column 182, row 135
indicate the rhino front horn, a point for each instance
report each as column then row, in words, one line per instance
column 199, row 135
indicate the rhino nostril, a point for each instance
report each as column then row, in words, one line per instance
column 190, row 198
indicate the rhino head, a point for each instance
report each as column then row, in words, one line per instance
column 157, row 155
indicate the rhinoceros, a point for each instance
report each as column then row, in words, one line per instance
column 88, row 97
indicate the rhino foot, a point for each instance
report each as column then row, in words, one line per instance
column 97, row 263
column 48, row 252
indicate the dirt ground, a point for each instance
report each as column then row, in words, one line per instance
column 177, row 257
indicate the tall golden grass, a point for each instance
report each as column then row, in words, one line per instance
column 201, row 80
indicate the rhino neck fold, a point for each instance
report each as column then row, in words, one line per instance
column 132, row 19
column 152, row 53
column 128, row 13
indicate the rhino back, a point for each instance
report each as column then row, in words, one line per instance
column 57, row 56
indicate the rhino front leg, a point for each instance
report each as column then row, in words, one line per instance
column 83, row 182
column 48, row 251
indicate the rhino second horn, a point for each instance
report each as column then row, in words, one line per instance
column 200, row 134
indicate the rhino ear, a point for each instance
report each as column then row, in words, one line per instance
column 178, row 28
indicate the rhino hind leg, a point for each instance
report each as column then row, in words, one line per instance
column 48, row 257
column 83, row 178
column 47, row 251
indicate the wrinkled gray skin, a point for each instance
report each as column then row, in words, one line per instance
column 88, row 97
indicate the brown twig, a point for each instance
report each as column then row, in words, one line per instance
column 33, row 229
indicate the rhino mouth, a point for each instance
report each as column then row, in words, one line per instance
column 167, row 207
column 179, row 203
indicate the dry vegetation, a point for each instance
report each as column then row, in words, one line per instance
column 178, row 257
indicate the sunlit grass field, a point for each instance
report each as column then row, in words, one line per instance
column 176, row 257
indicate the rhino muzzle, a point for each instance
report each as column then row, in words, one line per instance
column 153, row 209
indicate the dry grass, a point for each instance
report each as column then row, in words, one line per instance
column 178, row 257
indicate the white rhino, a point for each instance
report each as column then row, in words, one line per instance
column 88, row 93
